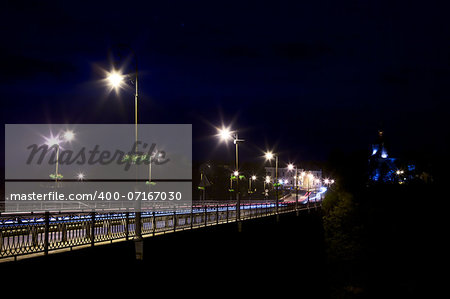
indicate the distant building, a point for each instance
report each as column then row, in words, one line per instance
column 310, row 179
column 386, row 169
column 382, row 168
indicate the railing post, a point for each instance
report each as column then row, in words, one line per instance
column 192, row 215
column 166, row 222
column 174, row 221
column 127, row 224
column 92, row 228
column 206, row 215
column 153, row 223
column 238, row 217
column 46, row 231
column 64, row 232
column 217, row 214
column 227, row 212
column 34, row 237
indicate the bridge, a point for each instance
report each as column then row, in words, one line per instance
column 31, row 234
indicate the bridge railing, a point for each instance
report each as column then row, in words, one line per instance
column 31, row 233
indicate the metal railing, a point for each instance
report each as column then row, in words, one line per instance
column 22, row 234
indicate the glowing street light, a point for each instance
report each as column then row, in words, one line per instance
column 80, row 176
column 252, row 178
column 115, row 79
column 292, row 167
column 52, row 141
column 266, row 182
column 310, row 178
column 269, row 156
column 55, row 141
column 226, row 134
column 69, row 135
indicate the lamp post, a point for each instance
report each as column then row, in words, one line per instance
column 252, row 178
column 266, row 182
column 225, row 134
column 310, row 177
column 294, row 167
column 116, row 80
column 269, row 156
column 56, row 141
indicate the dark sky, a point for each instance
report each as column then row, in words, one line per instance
column 305, row 77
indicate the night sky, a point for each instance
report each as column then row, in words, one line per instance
column 301, row 77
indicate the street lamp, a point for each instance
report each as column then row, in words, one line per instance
column 266, row 182
column 69, row 135
column 116, row 80
column 225, row 134
column 150, row 158
column 302, row 176
column 252, row 178
column 292, row 167
column 80, row 176
column 310, row 177
column 52, row 141
column 269, row 156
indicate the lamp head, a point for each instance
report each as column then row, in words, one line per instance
column 115, row 79
column 225, row 134
column 269, row 156
column 69, row 135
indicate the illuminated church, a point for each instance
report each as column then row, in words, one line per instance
column 382, row 168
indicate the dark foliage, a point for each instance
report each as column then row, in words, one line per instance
column 380, row 238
